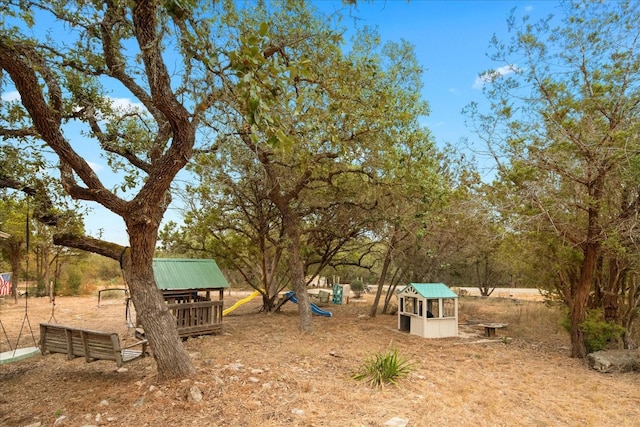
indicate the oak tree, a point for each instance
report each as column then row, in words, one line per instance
column 163, row 59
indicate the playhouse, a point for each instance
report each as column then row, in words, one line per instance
column 189, row 287
column 429, row 310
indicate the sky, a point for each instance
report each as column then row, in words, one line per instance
column 451, row 41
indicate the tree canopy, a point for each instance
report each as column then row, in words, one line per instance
column 563, row 129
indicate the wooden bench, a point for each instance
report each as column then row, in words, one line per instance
column 490, row 328
column 92, row 345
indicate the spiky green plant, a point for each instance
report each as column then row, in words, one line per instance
column 381, row 369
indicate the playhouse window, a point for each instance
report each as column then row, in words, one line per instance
column 448, row 308
column 408, row 305
column 433, row 308
column 411, row 305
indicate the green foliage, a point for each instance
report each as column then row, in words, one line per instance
column 598, row 333
column 357, row 286
column 74, row 281
column 107, row 269
column 382, row 369
column 40, row 289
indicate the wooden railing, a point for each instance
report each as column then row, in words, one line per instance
column 197, row 318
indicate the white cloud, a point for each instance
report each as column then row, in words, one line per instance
column 528, row 8
column 95, row 166
column 13, row 95
column 125, row 104
column 490, row 76
column 122, row 106
column 432, row 125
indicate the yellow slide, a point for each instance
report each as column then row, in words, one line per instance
column 239, row 303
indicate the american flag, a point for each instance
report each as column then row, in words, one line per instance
column 5, row 283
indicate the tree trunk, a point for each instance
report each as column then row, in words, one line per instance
column 612, row 294
column 631, row 310
column 159, row 324
column 296, row 270
column 47, row 278
column 268, row 302
column 46, row 274
column 390, row 293
column 383, row 274
column 172, row 145
column 580, row 291
column 15, row 259
column 39, row 271
column 395, row 278
column 579, row 300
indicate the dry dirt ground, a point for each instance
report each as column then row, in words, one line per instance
column 262, row 372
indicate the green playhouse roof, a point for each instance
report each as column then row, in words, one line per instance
column 431, row 290
column 179, row 274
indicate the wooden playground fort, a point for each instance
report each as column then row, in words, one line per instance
column 189, row 287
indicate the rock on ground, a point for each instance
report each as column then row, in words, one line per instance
column 615, row 360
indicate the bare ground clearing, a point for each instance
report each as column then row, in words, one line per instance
column 262, row 372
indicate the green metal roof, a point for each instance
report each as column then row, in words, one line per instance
column 179, row 273
column 429, row 290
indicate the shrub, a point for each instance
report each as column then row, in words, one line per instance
column 357, row 286
column 40, row 289
column 598, row 333
column 74, row 281
column 382, row 369
column 107, row 270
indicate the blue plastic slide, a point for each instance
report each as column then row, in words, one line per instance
column 314, row 308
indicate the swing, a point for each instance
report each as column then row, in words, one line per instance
column 14, row 354
column 92, row 345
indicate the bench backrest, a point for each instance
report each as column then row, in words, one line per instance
column 76, row 342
